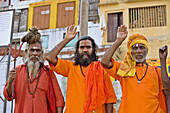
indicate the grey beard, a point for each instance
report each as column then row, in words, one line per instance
column 33, row 68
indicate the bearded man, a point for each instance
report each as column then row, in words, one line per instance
column 36, row 89
column 89, row 88
column 142, row 90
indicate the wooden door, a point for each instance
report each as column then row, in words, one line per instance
column 41, row 17
column 65, row 14
column 114, row 21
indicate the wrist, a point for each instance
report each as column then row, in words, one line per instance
column 10, row 81
column 163, row 59
column 67, row 39
column 118, row 41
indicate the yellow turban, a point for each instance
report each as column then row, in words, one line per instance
column 127, row 67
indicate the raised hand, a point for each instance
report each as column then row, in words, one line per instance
column 122, row 33
column 163, row 52
column 71, row 32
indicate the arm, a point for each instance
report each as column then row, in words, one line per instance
column 12, row 76
column 164, row 75
column 109, row 108
column 121, row 36
column 70, row 34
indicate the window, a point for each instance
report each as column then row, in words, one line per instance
column 20, row 20
column 45, row 41
column 73, row 42
column 114, row 21
column 147, row 17
column 17, row 41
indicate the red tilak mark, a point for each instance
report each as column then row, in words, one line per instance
column 85, row 44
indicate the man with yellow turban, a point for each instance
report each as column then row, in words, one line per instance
column 142, row 89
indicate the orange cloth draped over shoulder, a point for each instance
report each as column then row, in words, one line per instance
column 37, row 103
column 77, row 89
column 96, row 89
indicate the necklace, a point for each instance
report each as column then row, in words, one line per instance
column 82, row 71
column 143, row 75
column 32, row 93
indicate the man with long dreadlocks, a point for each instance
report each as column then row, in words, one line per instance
column 142, row 90
column 36, row 89
column 89, row 88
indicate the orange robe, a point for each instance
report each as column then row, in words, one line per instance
column 144, row 97
column 76, row 87
column 37, row 103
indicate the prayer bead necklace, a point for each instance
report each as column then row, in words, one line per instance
column 32, row 93
column 82, row 71
column 143, row 75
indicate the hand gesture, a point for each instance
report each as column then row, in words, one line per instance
column 12, row 76
column 71, row 32
column 163, row 52
column 122, row 33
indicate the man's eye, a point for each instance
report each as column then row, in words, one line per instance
column 88, row 47
column 81, row 47
column 31, row 50
column 38, row 50
column 142, row 47
column 134, row 48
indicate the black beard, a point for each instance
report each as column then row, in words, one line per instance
column 83, row 61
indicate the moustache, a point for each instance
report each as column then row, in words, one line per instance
column 34, row 57
column 85, row 53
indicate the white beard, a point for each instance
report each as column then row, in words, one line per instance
column 140, row 60
column 33, row 68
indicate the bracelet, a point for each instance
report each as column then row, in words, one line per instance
column 57, row 47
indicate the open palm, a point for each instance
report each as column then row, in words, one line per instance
column 71, row 32
column 122, row 32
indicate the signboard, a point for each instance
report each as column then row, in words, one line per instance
column 157, row 63
column 6, row 24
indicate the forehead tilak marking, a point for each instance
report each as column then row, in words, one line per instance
column 35, row 47
column 85, row 43
column 136, row 45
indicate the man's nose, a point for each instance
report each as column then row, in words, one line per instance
column 85, row 49
column 35, row 53
column 138, row 50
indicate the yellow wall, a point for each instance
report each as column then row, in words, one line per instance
column 157, row 36
column 53, row 11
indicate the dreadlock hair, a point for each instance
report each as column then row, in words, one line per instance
column 94, row 46
column 32, row 36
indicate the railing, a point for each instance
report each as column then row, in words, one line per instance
column 4, row 56
column 2, row 99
